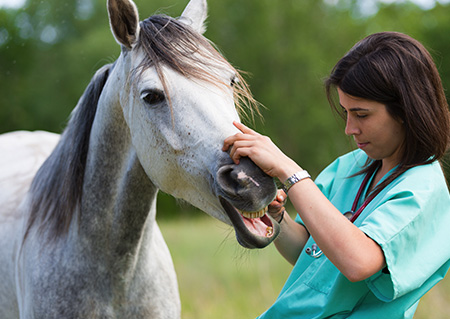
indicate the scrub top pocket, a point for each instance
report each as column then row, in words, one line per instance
column 323, row 275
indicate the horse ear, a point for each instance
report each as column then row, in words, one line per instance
column 195, row 15
column 124, row 21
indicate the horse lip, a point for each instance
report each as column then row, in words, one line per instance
column 244, row 236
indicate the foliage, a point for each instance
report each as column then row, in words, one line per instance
column 50, row 49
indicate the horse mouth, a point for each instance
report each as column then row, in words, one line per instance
column 253, row 229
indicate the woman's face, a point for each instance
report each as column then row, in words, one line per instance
column 374, row 130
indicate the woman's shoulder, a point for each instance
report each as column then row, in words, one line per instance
column 337, row 173
column 424, row 177
column 421, row 176
column 349, row 163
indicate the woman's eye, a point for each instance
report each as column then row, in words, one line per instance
column 153, row 97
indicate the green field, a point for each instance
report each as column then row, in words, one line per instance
column 219, row 279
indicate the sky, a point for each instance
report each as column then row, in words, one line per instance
column 11, row 3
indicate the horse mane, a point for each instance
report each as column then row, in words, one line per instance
column 56, row 189
column 169, row 42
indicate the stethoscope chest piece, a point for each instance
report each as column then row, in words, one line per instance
column 314, row 251
column 349, row 214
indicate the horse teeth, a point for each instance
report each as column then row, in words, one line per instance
column 253, row 215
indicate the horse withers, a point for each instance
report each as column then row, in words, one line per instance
column 78, row 232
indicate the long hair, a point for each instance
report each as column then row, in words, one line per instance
column 56, row 196
column 396, row 70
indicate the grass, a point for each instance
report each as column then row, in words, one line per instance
column 219, row 279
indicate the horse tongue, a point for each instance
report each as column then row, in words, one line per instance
column 257, row 226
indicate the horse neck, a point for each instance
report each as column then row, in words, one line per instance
column 118, row 203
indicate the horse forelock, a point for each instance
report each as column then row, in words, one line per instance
column 169, row 42
column 56, row 190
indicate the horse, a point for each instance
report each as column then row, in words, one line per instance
column 78, row 235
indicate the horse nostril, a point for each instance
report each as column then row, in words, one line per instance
column 245, row 185
column 227, row 179
column 234, row 179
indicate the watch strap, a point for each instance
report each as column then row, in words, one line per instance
column 295, row 178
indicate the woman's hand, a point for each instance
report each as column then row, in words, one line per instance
column 276, row 208
column 261, row 150
column 346, row 246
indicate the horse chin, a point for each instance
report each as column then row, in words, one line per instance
column 251, row 232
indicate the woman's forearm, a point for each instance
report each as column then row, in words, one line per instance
column 291, row 240
column 348, row 248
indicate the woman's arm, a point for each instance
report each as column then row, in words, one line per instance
column 292, row 239
column 348, row 248
column 293, row 236
column 357, row 256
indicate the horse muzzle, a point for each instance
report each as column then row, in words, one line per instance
column 245, row 191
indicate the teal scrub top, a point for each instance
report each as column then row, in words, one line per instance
column 410, row 221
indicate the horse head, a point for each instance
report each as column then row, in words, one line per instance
column 178, row 97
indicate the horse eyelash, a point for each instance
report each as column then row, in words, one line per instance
column 153, row 97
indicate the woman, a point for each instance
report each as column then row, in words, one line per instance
column 371, row 236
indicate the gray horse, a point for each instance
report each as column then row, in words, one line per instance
column 78, row 236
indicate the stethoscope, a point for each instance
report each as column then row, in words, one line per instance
column 314, row 250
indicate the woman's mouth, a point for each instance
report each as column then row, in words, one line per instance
column 362, row 145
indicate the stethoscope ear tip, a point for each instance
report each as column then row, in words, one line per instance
column 314, row 251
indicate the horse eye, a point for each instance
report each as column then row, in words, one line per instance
column 233, row 81
column 153, row 97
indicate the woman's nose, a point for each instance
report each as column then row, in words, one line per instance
column 350, row 127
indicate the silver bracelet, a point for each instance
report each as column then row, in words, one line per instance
column 297, row 177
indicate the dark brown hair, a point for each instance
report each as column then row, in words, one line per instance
column 396, row 70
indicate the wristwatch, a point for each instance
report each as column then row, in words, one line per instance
column 297, row 177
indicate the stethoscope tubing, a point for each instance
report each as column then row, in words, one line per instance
column 315, row 251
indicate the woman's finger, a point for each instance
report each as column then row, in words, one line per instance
column 244, row 129
column 230, row 141
column 281, row 196
column 242, row 151
column 246, row 133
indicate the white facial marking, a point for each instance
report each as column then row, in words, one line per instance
column 243, row 176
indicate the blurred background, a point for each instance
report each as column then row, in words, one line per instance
column 49, row 50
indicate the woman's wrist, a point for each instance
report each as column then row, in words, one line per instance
column 287, row 170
